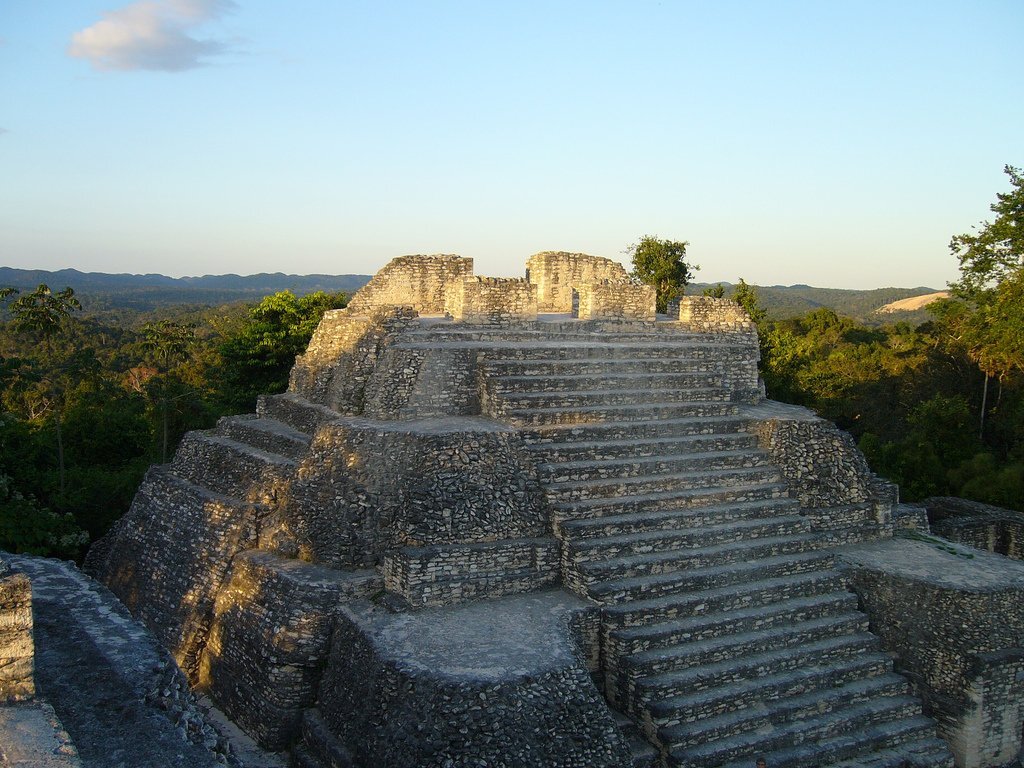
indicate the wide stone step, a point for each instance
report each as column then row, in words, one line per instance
column 540, row 436
column 668, row 499
column 644, row 348
column 514, row 402
column 636, row 668
column 577, row 331
column 711, row 676
column 266, row 434
column 698, row 557
column 683, row 518
column 617, row 412
column 632, row 380
column 634, row 448
column 927, row 752
column 694, row 629
column 643, row 599
column 759, row 688
column 861, row 723
column 666, row 463
column 295, row 411
column 768, row 716
column 640, row 485
column 232, row 468
column 651, row 542
column 597, row 367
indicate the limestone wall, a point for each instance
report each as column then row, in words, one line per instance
column 826, row 471
column 420, row 282
column 556, row 273
column 167, row 558
column 17, row 652
column 342, row 355
column 270, row 638
column 955, row 619
column 501, row 685
column 607, row 299
column 367, row 488
column 710, row 315
column 492, row 301
column 978, row 525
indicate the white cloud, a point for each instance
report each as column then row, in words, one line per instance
column 151, row 34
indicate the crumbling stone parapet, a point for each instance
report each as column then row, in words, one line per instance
column 17, row 652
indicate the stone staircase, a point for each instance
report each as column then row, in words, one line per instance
column 727, row 633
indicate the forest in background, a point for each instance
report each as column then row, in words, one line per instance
column 89, row 401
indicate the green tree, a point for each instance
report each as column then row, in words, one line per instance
column 746, row 296
column 987, row 314
column 167, row 342
column 43, row 316
column 662, row 263
column 259, row 355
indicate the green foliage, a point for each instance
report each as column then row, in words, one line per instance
column 746, row 296
column 716, row 291
column 258, row 356
column 662, row 263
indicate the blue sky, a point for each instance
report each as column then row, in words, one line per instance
column 834, row 144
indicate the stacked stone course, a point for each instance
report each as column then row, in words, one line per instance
column 557, row 273
column 16, row 649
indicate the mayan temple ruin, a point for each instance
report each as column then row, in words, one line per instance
column 530, row 523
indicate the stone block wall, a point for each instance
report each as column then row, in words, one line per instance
column 421, row 282
column 955, row 620
column 342, row 355
column 167, row 558
column 270, row 638
column 423, row 382
column 466, row 689
column 978, row 525
column 444, row 575
column 824, row 469
column 614, row 300
column 492, row 301
column 710, row 315
column 367, row 488
column 556, row 273
column 17, row 651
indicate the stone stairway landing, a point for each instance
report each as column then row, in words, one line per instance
column 726, row 631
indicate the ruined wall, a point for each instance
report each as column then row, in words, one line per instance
column 17, row 652
column 710, row 315
column 556, row 273
column 167, row 558
column 955, row 619
column 492, row 301
column 826, row 471
column 420, row 282
column 607, row 299
column 368, row 487
column 481, row 689
column 269, row 640
column 978, row 525
column 342, row 355
column 423, row 382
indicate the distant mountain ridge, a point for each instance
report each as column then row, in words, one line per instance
column 784, row 301
column 102, row 290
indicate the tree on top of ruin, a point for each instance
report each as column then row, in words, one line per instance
column 662, row 263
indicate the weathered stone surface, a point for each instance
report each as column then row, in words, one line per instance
column 16, row 647
column 269, row 640
column 556, row 273
column 614, row 299
column 420, row 282
column 492, row 301
column 983, row 526
column 168, row 556
column 955, row 619
column 501, row 684
column 368, row 487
